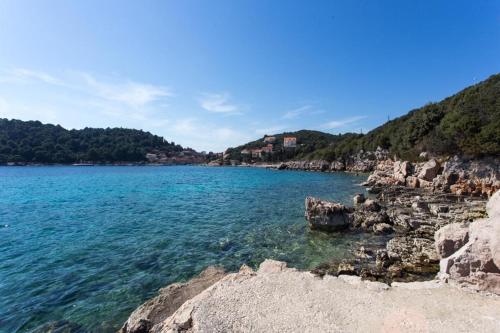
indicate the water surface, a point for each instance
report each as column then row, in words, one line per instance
column 89, row 244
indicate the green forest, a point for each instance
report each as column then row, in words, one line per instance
column 34, row 142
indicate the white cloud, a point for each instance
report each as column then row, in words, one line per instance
column 218, row 103
column 343, row 122
column 23, row 75
column 131, row 93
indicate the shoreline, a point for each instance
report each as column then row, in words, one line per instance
column 411, row 214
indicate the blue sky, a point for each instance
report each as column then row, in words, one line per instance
column 213, row 74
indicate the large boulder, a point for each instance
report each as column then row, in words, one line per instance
column 477, row 263
column 327, row 215
column 429, row 170
column 401, row 170
column 450, row 238
column 157, row 309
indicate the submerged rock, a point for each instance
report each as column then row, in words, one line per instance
column 169, row 300
column 358, row 199
column 60, row 326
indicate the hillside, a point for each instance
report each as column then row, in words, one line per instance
column 34, row 142
column 307, row 142
column 467, row 123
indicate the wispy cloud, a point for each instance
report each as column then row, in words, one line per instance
column 131, row 93
column 23, row 75
column 297, row 112
column 300, row 111
column 218, row 103
column 271, row 130
column 343, row 122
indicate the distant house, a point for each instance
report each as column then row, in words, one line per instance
column 245, row 152
column 267, row 149
column 270, row 139
column 256, row 152
column 152, row 157
column 289, row 142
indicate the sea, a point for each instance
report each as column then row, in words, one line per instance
column 82, row 247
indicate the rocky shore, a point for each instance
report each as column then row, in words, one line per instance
column 410, row 202
column 279, row 299
column 442, row 220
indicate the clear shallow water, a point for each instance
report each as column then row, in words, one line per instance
column 89, row 244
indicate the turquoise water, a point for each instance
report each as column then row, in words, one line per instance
column 89, row 244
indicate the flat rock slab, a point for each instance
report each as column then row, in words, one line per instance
column 286, row 300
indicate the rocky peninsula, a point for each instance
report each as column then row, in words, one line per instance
column 442, row 220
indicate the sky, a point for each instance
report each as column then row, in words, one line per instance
column 215, row 74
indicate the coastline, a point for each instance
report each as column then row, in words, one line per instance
column 412, row 215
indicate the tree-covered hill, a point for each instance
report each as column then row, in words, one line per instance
column 467, row 124
column 307, row 142
column 34, row 142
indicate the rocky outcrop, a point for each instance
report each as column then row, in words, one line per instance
column 158, row 309
column 281, row 299
column 315, row 165
column 456, row 175
column 360, row 163
column 470, row 177
column 476, row 262
column 327, row 215
column 367, row 215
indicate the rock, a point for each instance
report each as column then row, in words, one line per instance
column 327, row 215
column 477, row 263
column 429, row 170
column 417, row 255
column 493, row 205
column 272, row 266
column 412, row 181
column 215, row 163
column 424, row 183
column 371, row 205
column 424, row 155
column 346, row 268
column 169, row 300
column 477, row 177
column 282, row 166
column 337, row 166
column 359, row 199
column 402, row 168
column 319, row 165
column 437, row 209
column 382, row 228
column 294, row 301
column 419, row 205
column 59, row 326
column 364, row 253
column 450, row 238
